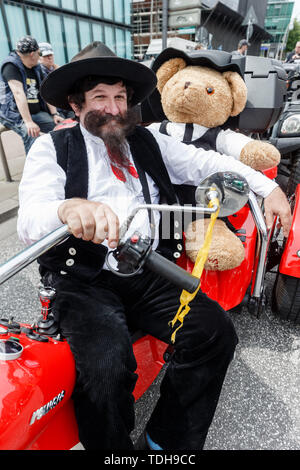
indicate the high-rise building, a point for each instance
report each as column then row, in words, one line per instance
column 69, row 25
column 278, row 19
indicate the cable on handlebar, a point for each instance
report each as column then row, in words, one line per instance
column 186, row 297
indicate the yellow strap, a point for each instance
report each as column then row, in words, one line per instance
column 186, row 297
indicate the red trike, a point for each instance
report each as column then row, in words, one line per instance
column 37, row 367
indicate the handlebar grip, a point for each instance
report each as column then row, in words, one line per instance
column 172, row 272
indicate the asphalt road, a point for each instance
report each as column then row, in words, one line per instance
column 259, row 408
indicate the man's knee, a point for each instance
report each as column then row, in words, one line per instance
column 207, row 331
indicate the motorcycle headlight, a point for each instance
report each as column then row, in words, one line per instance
column 291, row 125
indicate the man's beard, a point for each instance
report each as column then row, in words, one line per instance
column 112, row 129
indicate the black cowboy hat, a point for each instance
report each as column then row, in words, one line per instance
column 151, row 108
column 97, row 59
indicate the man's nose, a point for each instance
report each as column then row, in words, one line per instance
column 112, row 107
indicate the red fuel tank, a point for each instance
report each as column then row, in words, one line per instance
column 34, row 389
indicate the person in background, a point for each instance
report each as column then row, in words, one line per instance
column 48, row 65
column 242, row 48
column 295, row 54
column 47, row 58
column 22, row 109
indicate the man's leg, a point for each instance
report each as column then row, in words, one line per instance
column 21, row 130
column 92, row 319
column 204, row 347
column 44, row 121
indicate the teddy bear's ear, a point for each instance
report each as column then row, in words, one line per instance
column 167, row 70
column 238, row 90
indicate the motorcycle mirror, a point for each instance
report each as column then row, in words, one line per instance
column 231, row 189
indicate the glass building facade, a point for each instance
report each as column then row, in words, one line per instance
column 278, row 17
column 69, row 25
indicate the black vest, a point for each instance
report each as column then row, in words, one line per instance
column 85, row 259
column 186, row 192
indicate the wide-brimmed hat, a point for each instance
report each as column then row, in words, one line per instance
column 97, row 59
column 151, row 108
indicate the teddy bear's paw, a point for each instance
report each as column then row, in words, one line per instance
column 226, row 249
column 260, row 155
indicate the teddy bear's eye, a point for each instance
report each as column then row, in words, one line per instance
column 210, row 90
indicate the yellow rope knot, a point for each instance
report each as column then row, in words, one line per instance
column 186, row 297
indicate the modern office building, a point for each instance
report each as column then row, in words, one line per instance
column 219, row 24
column 278, row 19
column 69, row 25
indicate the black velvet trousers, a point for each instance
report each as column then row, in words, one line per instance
column 94, row 318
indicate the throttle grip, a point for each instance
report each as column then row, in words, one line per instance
column 172, row 272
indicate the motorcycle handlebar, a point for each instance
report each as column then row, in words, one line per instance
column 174, row 273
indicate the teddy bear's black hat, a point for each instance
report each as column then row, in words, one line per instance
column 151, row 109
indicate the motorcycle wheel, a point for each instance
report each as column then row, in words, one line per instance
column 286, row 297
column 294, row 178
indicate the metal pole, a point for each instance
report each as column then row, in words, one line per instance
column 165, row 5
column 4, row 161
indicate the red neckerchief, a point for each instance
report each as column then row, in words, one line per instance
column 118, row 163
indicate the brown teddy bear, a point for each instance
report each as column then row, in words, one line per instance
column 196, row 94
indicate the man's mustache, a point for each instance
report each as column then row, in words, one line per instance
column 99, row 119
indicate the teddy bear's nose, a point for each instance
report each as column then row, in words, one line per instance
column 186, row 85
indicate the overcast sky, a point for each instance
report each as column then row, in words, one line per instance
column 296, row 10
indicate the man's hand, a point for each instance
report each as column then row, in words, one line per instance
column 91, row 221
column 277, row 204
column 57, row 119
column 32, row 128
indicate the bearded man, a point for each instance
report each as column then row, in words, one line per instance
column 90, row 177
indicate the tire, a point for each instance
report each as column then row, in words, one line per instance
column 286, row 297
column 294, row 178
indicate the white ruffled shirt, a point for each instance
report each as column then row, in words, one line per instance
column 42, row 188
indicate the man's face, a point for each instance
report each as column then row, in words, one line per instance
column 31, row 59
column 297, row 48
column 244, row 48
column 105, row 100
column 47, row 60
column 105, row 114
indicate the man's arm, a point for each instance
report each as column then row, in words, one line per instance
column 53, row 111
column 17, row 89
column 189, row 165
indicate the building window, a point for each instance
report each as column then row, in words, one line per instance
column 54, row 3
column 120, row 42
column 16, row 23
column 83, row 6
column 128, row 45
column 110, row 37
column 85, row 33
column 97, row 32
column 71, row 37
column 95, row 8
column 56, row 37
column 37, row 25
column 4, row 48
column 119, row 10
column 107, row 9
column 68, row 4
column 127, row 12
